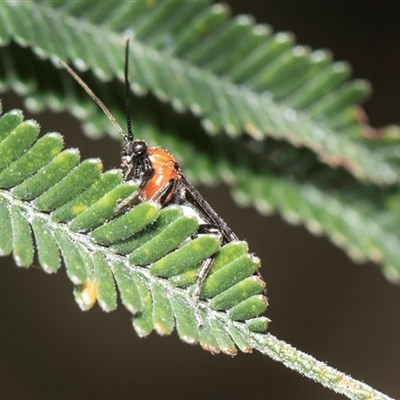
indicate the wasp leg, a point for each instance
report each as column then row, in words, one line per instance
column 127, row 201
column 126, row 168
column 201, row 276
column 211, row 229
column 205, row 267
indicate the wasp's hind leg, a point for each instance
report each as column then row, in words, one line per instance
column 201, row 276
column 210, row 229
column 204, row 268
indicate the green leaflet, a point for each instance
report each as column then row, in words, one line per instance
column 73, row 260
column 224, row 340
column 127, row 225
column 47, row 177
column 14, row 145
column 36, row 157
column 353, row 219
column 166, row 241
column 163, row 317
column 107, row 181
column 237, row 293
column 127, row 288
column 6, row 244
column 48, row 253
column 9, row 122
column 229, row 275
column 22, row 239
column 249, row 308
column 166, row 217
column 185, row 257
column 187, row 278
column 143, row 321
column 207, row 337
column 259, row 324
column 72, row 185
column 184, row 318
column 103, row 279
column 103, row 209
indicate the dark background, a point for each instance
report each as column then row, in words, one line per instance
column 322, row 303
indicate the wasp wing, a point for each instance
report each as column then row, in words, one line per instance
column 194, row 199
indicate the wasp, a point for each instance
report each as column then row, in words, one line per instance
column 160, row 178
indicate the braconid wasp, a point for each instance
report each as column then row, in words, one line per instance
column 159, row 177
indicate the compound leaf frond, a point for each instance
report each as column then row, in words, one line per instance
column 235, row 75
column 71, row 217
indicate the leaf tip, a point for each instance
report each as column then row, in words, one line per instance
column 86, row 295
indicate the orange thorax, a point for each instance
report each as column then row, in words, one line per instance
column 165, row 169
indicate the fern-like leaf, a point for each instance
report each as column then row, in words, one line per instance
column 260, row 83
column 312, row 185
column 191, row 63
column 273, row 177
column 70, row 216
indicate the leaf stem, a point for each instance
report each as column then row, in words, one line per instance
column 316, row 370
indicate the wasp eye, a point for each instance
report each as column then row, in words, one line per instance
column 139, row 148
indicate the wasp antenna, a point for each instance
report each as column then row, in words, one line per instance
column 96, row 99
column 128, row 92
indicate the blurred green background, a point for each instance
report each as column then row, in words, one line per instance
column 321, row 303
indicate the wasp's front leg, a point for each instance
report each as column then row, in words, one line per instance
column 128, row 200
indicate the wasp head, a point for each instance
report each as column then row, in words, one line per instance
column 135, row 158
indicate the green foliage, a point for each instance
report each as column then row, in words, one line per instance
column 74, row 219
column 281, row 124
column 235, row 76
column 220, row 68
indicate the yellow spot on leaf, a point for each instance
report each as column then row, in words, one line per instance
column 77, row 209
column 89, row 293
